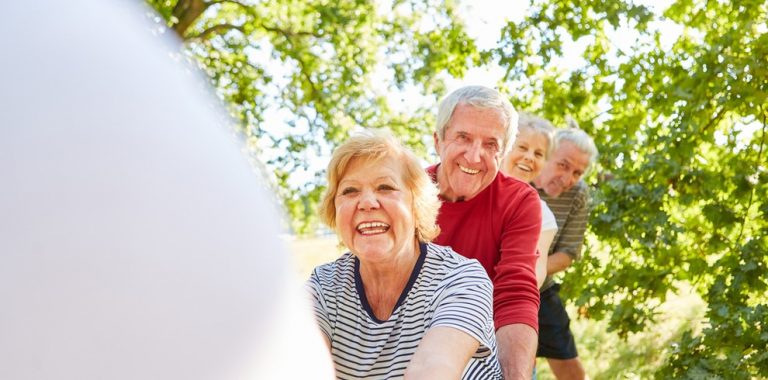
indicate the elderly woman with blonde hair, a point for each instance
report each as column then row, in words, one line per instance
column 396, row 305
column 526, row 158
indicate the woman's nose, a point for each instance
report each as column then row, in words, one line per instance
column 368, row 201
column 529, row 156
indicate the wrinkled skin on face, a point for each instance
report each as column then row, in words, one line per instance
column 566, row 167
column 469, row 152
column 526, row 159
column 374, row 211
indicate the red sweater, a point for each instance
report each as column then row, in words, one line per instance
column 499, row 227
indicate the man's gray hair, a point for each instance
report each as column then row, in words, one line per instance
column 479, row 97
column 579, row 138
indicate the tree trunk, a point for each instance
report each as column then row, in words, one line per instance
column 187, row 12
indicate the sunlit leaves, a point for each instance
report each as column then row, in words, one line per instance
column 677, row 186
column 299, row 76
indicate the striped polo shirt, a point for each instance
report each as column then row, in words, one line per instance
column 445, row 289
column 571, row 209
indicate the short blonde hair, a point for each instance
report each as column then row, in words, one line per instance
column 538, row 125
column 374, row 146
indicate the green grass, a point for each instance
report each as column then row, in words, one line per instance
column 309, row 253
column 603, row 354
column 606, row 356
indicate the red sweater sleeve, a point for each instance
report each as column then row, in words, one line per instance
column 516, row 295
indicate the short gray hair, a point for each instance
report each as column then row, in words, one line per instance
column 580, row 139
column 479, row 97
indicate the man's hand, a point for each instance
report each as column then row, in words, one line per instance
column 558, row 262
column 517, row 350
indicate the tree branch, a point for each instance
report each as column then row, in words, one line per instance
column 715, row 119
column 186, row 12
column 752, row 193
column 212, row 2
column 289, row 33
column 250, row 10
column 218, row 29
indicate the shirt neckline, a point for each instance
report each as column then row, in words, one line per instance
column 411, row 280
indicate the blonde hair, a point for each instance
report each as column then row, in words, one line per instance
column 374, row 146
column 538, row 125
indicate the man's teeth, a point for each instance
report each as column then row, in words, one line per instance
column 372, row 228
column 468, row 170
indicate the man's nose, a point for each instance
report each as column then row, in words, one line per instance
column 474, row 151
column 571, row 180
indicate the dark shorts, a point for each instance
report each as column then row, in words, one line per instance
column 555, row 338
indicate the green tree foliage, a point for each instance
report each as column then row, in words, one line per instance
column 681, row 183
column 316, row 62
column 678, row 112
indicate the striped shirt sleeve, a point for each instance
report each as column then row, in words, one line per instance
column 572, row 213
column 318, row 301
column 464, row 302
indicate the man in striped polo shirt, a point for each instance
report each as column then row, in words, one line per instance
column 560, row 185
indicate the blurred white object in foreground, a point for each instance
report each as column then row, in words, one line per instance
column 135, row 240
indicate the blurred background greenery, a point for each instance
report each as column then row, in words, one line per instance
column 675, row 94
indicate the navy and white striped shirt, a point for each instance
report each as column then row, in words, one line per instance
column 445, row 289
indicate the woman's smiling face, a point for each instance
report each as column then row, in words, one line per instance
column 527, row 156
column 374, row 210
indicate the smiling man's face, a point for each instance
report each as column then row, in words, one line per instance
column 470, row 152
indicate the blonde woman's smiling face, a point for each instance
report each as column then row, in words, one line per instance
column 374, row 211
column 527, row 156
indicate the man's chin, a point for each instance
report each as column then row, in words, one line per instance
column 464, row 196
column 554, row 193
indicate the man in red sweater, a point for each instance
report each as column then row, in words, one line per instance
column 490, row 217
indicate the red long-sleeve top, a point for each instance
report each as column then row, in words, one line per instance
column 499, row 227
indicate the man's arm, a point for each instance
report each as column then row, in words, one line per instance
column 558, row 262
column 542, row 263
column 567, row 248
column 517, row 350
column 516, row 294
